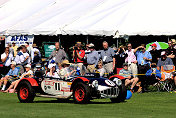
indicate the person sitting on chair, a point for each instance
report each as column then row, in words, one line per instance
column 12, row 73
column 164, row 60
column 153, row 74
column 27, row 74
column 128, row 76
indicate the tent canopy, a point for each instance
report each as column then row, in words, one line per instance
column 88, row 17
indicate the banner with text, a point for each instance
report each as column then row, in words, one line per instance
column 19, row 40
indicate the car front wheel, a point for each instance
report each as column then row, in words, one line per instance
column 25, row 92
column 122, row 95
column 81, row 93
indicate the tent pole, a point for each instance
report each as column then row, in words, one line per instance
column 117, row 43
column 59, row 39
column 87, row 39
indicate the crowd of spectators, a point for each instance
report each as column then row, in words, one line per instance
column 136, row 65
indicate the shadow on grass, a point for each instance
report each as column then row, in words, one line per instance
column 72, row 102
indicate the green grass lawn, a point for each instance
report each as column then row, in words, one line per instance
column 146, row 105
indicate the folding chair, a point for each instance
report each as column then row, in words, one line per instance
column 166, row 82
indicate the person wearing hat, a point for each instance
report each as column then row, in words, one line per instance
column 164, row 60
column 58, row 54
column 65, row 71
column 78, row 56
column 171, row 52
column 38, row 71
column 107, row 56
column 92, row 59
column 37, row 58
column 52, row 71
column 27, row 74
column 155, row 53
column 12, row 72
column 35, row 49
column 129, row 79
column 15, row 47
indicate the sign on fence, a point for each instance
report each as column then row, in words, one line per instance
column 19, row 40
column 48, row 49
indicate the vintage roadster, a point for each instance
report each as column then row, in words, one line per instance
column 81, row 88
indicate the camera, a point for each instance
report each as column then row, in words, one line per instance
column 141, row 48
column 75, row 48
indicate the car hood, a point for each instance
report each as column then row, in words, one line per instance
column 103, row 81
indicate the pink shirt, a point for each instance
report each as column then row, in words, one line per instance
column 131, row 56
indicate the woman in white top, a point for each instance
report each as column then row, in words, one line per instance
column 52, row 71
column 101, row 70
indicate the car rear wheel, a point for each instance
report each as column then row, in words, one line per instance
column 122, row 95
column 25, row 92
column 81, row 93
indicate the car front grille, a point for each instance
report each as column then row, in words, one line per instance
column 110, row 93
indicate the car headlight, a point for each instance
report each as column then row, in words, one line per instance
column 118, row 81
column 95, row 84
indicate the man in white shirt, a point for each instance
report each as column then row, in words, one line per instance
column 27, row 59
column 6, row 58
column 35, row 49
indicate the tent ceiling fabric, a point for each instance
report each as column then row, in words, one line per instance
column 88, row 17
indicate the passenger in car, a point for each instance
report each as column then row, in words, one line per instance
column 52, row 71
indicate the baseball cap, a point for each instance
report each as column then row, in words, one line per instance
column 13, row 62
column 163, row 53
column 38, row 66
column 154, row 44
column 125, row 64
column 91, row 45
column 27, row 66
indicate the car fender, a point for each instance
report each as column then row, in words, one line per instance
column 78, row 79
column 32, row 81
column 118, row 76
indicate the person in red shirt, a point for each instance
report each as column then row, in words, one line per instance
column 78, row 56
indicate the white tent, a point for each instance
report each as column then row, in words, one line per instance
column 93, row 17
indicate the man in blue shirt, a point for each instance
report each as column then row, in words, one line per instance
column 107, row 56
column 12, row 72
column 92, row 59
column 144, row 59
